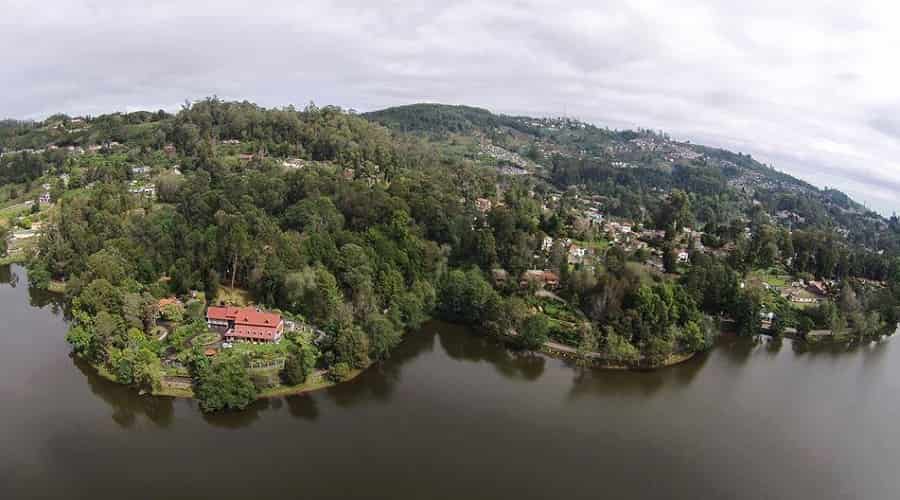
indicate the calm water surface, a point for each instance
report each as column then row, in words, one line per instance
column 454, row 416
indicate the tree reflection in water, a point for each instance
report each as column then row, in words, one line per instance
column 126, row 404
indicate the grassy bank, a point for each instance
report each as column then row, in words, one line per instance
column 17, row 258
column 315, row 382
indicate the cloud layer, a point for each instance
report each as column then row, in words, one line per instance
column 808, row 86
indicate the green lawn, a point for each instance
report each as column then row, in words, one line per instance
column 773, row 276
column 232, row 296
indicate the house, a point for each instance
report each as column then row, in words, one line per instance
column 44, row 198
column 139, row 189
column 540, row 278
column 595, row 217
column 547, row 244
column 817, row 288
column 246, row 324
column 683, row 257
column 292, row 163
column 797, row 297
column 483, row 205
column 500, row 276
column 142, row 170
column 168, row 301
column 246, row 156
column 576, row 254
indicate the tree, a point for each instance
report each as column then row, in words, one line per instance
column 225, row 385
column 173, row 312
column 81, row 339
column 618, row 348
column 339, row 372
column 534, row 332
column 384, row 336
column 746, row 313
column 587, row 345
column 301, row 360
column 467, row 296
column 670, row 259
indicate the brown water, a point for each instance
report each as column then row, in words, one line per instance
column 452, row 415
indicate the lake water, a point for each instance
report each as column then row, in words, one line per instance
column 452, row 415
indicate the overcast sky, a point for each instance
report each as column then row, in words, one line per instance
column 809, row 86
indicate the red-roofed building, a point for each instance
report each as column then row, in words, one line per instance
column 245, row 324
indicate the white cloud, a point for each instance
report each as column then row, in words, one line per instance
column 807, row 85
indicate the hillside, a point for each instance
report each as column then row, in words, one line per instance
column 624, row 247
column 569, row 152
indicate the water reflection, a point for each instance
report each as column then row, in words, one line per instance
column 303, row 406
column 126, row 404
column 238, row 419
column 459, row 344
column 8, row 276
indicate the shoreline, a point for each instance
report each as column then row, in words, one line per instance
column 562, row 351
column 317, row 384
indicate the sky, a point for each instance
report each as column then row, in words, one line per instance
column 811, row 87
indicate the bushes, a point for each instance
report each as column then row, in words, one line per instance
column 534, row 332
column 339, row 372
column 173, row 312
column 467, row 297
column 300, row 362
column 223, row 384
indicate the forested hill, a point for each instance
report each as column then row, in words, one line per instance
column 622, row 244
column 570, row 152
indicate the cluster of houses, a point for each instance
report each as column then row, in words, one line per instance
column 71, row 149
column 503, row 155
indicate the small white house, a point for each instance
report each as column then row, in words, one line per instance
column 547, row 244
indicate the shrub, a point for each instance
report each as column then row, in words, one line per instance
column 339, row 372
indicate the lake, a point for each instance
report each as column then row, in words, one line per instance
column 452, row 415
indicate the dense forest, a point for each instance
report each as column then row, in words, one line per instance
column 363, row 227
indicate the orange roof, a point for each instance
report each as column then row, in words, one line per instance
column 167, row 301
column 245, row 316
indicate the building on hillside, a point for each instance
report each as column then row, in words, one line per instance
column 246, row 324
column 143, row 190
column 576, row 254
column 483, row 205
column 547, row 244
column 683, row 257
column 799, row 296
column 168, row 301
column 817, row 288
column 595, row 217
column 543, row 279
column 499, row 276
column 140, row 171
column 293, row 163
column 44, row 198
